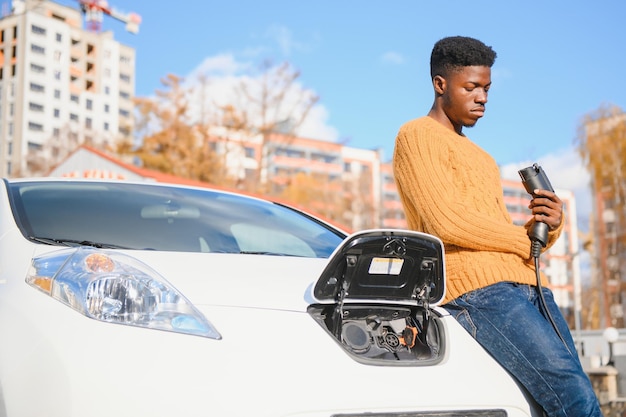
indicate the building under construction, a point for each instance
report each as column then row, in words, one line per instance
column 62, row 81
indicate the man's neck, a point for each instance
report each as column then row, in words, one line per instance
column 442, row 118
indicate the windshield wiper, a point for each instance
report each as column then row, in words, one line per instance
column 75, row 242
column 258, row 252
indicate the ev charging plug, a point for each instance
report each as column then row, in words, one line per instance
column 534, row 178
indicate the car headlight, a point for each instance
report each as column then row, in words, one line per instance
column 116, row 288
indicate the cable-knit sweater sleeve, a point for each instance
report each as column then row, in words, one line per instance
column 452, row 189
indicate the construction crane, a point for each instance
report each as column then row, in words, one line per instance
column 94, row 10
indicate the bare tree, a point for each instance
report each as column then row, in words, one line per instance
column 272, row 108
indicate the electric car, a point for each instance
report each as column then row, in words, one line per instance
column 122, row 298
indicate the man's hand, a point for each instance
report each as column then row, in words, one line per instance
column 547, row 207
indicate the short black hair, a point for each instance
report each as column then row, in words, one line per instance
column 455, row 52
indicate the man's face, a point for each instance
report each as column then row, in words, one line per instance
column 465, row 95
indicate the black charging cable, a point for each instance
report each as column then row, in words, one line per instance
column 533, row 179
column 535, row 248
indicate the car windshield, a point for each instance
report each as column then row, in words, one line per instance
column 164, row 218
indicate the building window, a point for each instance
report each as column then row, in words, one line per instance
column 35, row 106
column 106, row 126
column 125, row 95
column 34, row 147
column 57, row 113
column 73, row 117
column 107, row 90
column 74, row 98
column 89, row 104
column 37, row 127
column 106, row 108
column 37, row 88
column 57, row 93
column 37, row 49
column 59, row 37
column 125, row 78
column 88, row 122
column 38, row 69
column 38, row 30
column 57, row 74
column 124, row 113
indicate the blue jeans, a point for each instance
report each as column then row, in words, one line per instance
column 507, row 320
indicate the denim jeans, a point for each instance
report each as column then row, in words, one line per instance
column 508, row 321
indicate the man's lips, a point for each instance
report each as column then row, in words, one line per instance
column 479, row 111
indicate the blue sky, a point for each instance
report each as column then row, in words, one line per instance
column 368, row 62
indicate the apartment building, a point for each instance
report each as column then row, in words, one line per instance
column 60, row 85
column 338, row 182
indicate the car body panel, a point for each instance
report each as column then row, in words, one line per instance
column 273, row 359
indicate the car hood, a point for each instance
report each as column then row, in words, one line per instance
column 380, row 265
column 254, row 281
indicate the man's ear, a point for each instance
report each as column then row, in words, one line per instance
column 439, row 84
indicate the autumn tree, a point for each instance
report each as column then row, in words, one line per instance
column 173, row 140
column 601, row 142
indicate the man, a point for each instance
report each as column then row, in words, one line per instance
column 451, row 188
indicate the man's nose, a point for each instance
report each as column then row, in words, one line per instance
column 481, row 97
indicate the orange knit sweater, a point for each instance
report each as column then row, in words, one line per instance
column 451, row 188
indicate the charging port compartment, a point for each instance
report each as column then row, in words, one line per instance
column 376, row 294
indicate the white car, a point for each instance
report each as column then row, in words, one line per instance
column 145, row 299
